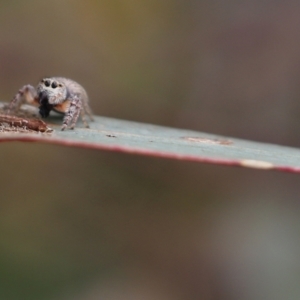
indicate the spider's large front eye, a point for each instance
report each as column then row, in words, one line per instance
column 47, row 83
column 54, row 84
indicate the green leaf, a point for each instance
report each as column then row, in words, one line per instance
column 145, row 139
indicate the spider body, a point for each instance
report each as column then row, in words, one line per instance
column 60, row 94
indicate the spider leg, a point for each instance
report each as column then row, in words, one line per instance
column 71, row 116
column 75, row 118
column 25, row 94
column 83, row 119
column 87, row 110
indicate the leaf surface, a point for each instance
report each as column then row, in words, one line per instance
column 145, row 139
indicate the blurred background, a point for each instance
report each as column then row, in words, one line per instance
column 85, row 224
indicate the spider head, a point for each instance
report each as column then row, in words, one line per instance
column 51, row 91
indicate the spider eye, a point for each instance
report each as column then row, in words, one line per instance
column 54, row 85
column 47, row 83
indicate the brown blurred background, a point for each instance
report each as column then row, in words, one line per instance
column 82, row 224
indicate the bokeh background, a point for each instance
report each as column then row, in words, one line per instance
column 84, row 224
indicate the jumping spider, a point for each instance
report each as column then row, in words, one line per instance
column 55, row 93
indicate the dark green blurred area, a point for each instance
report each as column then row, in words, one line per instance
column 83, row 224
